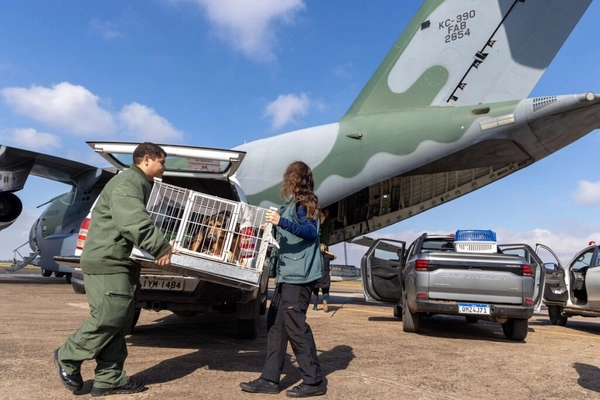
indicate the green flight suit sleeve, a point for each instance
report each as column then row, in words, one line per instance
column 131, row 219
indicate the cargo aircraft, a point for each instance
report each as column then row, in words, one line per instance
column 444, row 114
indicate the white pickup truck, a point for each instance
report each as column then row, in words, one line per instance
column 193, row 285
column 437, row 275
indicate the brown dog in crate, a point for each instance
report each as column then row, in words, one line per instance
column 210, row 239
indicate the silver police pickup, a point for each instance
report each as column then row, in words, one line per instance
column 439, row 274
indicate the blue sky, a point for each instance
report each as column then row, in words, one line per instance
column 220, row 73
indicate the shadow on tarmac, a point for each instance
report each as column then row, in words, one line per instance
column 589, row 376
column 175, row 368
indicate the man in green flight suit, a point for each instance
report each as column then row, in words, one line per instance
column 119, row 221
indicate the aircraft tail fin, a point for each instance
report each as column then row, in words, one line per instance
column 464, row 53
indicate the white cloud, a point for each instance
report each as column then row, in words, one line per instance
column 249, row 26
column 76, row 110
column 107, row 29
column 144, row 124
column 66, row 106
column 587, row 193
column 285, row 109
column 32, row 139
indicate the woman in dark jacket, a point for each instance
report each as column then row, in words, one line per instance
column 299, row 266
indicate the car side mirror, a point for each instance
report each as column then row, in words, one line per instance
column 551, row 266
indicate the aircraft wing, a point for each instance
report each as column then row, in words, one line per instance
column 465, row 53
column 17, row 164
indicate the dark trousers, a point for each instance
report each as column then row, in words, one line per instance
column 287, row 321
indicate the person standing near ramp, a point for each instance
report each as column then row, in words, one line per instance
column 300, row 265
column 119, row 221
column 325, row 282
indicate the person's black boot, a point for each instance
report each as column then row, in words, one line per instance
column 260, row 385
column 72, row 382
column 128, row 388
column 305, row 390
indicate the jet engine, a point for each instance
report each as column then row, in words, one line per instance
column 10, row 209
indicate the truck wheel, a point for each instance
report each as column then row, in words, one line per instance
column 556, row 317
column 516, row 329
column 46, row 273
column 410, row 320
column 68, row 278
column 77, row 286
column 248, row 328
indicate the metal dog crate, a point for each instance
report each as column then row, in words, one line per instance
column 219, row 240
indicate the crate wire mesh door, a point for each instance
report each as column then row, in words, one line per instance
column 210, row 227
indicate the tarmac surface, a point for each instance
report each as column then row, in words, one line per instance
column 361, row 346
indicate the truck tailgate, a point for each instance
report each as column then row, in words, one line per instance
column 487, row 278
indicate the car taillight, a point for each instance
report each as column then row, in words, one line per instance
column 422, row 265
column 83, row 230
column 529, row 302
column 527, row 270
column 247, row 241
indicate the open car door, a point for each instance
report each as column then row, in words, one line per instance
column 536, row 263
column 556, row 291
column 380, row 267
column 582, row 277
column 592, row 281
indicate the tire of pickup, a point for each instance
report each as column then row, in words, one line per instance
column 410, row 320
column 556, row 317
column 516, row 329
column 77, row 286
column 46, row 273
